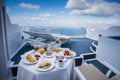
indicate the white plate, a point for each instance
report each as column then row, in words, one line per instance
column 74, row 54
column 63, row 49
column 60, row 68
column 42, row 69
column 53, row 54
column 27, row 62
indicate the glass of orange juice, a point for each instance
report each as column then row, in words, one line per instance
column 57, row 49
column 41, row 50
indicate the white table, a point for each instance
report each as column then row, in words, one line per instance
column 29, row 72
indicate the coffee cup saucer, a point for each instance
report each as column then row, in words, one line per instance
column 59, row 67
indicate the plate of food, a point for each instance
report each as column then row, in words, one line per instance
column 32, row 58
column 49, row 54
column 38, row 56
column 62, row 39
column 45, row 65
column 68, row 53
column 26, row 53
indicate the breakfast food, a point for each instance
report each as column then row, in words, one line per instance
column 42, row 50
column 60, row 57
column 37, row 56
column 57, row 49
column 63, row 39
column 30, row 58
column 68, row 53
column 48, row 53
column 45, row 64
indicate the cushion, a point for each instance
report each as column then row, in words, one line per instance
column 78, row 61
column 89, row 56
column 112, row 74
column 104, row 69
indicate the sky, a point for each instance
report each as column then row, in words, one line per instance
column 64, row 13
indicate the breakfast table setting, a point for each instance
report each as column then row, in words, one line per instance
column 47, row 62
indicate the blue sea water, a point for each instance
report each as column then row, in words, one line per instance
column 61, row 30
column 73, row 31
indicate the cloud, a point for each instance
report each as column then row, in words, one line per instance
column 46, row 14
column 99, row 8
column 29, row 21
column 62, row 12
column 29, row 6
column 77, row 4
column 65, row 22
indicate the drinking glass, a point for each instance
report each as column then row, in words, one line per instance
column 41, row 50
column 57, row 47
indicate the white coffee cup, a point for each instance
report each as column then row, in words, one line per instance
column 60, row 63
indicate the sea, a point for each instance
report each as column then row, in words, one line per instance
column 70, row 31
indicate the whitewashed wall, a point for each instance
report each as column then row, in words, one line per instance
column 112, row 31
column 14, row 37
column 109, row 50
column 94, row 32
column 4, row 60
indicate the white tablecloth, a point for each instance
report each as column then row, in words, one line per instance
column 29, row 72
